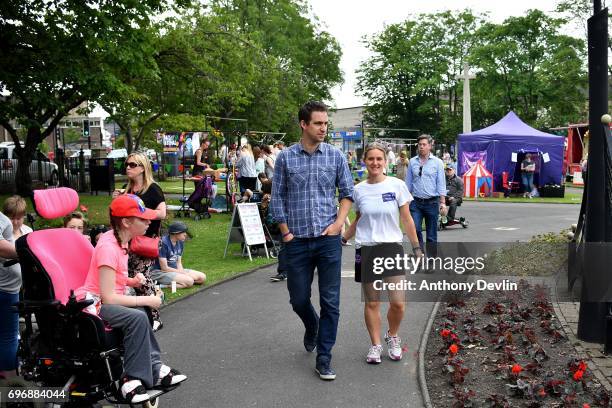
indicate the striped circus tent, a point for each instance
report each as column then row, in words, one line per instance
column 478, row 181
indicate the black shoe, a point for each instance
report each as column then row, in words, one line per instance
column 323, row 368
column 310, row 341
column 278, row 278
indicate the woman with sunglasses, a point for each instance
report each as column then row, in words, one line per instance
column 141, row 183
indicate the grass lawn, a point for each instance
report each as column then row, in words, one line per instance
column 203, row 250
column 175, row 186
column 570, row 198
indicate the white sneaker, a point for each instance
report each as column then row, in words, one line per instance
column 394, row 345
column 169, row 377
column 374, row 354
column 133, row 391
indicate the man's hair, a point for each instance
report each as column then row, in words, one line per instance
column 425, row 136
column 305, row 112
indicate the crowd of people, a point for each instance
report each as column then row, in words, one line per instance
column 305, row 194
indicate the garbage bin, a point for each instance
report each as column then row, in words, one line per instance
column 101, row 175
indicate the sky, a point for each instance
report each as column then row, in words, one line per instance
column 349, row 20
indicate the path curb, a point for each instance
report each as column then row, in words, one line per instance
column 422, row 350
column 579, row 345
column 222, row 281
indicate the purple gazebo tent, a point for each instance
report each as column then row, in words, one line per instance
column 502, row 147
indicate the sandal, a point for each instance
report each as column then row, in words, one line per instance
column 133, row 391
column 169, row 377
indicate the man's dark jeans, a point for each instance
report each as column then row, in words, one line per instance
column 429, row 210
column 302, row 256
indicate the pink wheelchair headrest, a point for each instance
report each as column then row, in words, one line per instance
column 65, row 255
column 55, row 202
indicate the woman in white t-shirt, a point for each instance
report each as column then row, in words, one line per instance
column 380, row 203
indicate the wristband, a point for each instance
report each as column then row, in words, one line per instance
column 344, row 240
column 417, row 247
column 286, row 233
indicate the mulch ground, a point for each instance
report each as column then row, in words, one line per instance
column 506, row 349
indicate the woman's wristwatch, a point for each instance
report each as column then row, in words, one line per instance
column 344, row 240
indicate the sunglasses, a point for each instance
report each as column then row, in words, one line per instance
column 420, row 171
column 132, row 165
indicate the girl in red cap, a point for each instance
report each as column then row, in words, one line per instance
column 106, row 283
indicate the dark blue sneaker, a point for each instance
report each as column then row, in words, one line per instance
column 310, row 341
column 325, row 371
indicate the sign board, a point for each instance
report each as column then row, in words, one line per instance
column 251, row 224
column 246, row 227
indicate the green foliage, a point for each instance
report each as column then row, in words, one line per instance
column 44, row 147
column 528, row 67
column 412, row 78
column 57, row 55
column 523, row 64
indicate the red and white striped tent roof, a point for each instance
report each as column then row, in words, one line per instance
column 477, row 179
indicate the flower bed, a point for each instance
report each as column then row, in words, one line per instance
column 506, row 349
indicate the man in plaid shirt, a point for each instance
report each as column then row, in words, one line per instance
column 306, row 176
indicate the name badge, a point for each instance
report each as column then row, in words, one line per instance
column 388, row 197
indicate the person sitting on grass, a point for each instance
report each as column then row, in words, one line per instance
column 168, row 266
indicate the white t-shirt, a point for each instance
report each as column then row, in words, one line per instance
column 379, row 205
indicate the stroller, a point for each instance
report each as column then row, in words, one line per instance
column 66, row 347
column 201, row 198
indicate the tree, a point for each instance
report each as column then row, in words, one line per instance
column 57, row 55
column 411, row 81
column 303, row 60
column 528, row 67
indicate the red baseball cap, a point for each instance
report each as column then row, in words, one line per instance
column 130, row 205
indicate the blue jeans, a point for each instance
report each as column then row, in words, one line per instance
column 9, row 330
column 302, row 256
column 527, row 179
column 430, row 211
column 282, row 258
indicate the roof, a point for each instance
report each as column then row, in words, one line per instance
column 478, row 170
column 510, row 127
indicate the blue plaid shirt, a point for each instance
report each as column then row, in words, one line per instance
column 304, row 188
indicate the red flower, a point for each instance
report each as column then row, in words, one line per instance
column 582, row 366
column 83, row 208
column 445, row 332
column 453, row 349
column 578, row 375
column 516, row 368
column 585, row 405
column 454, row 337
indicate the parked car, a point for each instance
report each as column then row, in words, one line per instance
column 86, row 153
column 40, row 163
column 117, row 154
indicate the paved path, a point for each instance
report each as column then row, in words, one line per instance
column 240, row 342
